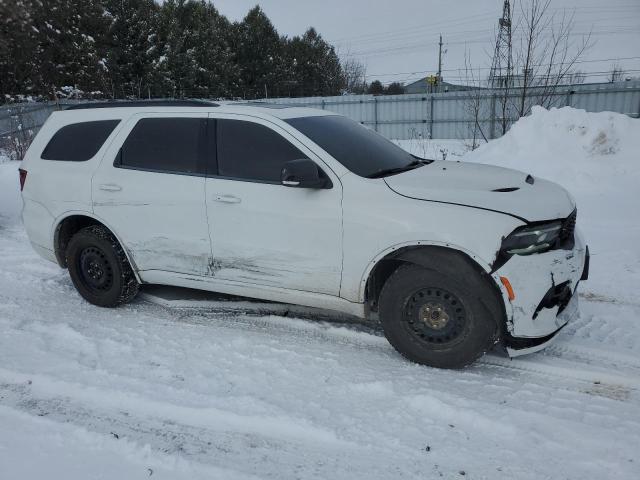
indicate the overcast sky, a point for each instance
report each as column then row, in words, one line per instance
column 398, row 40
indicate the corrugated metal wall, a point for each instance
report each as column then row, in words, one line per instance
column 437, row 115
column 452, row 114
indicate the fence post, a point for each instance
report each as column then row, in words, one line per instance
column 430, row 116
column 492, row 131
column 375, row 113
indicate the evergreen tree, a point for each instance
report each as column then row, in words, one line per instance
column 69, row 35
column 376, row 88
column 147, row 48
column 18, row 56
column 395, row 88
column 260, row 55
column 314, row 65
column 131, row 47
column 196, row 53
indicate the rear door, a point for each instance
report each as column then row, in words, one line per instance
column 264, row 233
column 151, row 192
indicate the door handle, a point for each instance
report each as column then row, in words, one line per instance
column 110, row 187
column 227, row 199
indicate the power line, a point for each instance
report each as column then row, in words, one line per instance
column 422, row 35
column 442, row 23
column 419, row 46
column 616, row 59
column 411, row 31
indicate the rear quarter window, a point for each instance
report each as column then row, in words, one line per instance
column 78, row 142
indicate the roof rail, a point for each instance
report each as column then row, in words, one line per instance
column 142, row 103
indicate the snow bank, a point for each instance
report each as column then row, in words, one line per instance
column 10, row 201
column 586, row 152
column 596, row 156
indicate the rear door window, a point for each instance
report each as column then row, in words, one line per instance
column 253, row 152
column 172, row 145
column 78, row 142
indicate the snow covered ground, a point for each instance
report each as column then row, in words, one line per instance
column 225, row 389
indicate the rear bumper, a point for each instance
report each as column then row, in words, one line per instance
column 38, row 223
column 44, row 252
column 545, row 295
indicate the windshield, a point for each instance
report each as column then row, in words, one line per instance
column 361, row 150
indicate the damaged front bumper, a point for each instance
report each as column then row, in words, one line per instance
column 544, row 295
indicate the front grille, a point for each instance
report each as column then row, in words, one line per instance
column 566, row 237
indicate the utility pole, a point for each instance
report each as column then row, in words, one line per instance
column 439, row 78
column 435, row 81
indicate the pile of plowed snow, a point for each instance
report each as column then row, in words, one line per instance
column 596, row 156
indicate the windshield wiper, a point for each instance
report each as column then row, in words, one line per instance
column 393, row 171
column 426, row 161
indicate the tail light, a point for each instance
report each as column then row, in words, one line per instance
column 23, row 178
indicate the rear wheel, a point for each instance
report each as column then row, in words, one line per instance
column 437, row 317
column 99, row 269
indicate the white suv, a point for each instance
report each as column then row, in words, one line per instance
column 306, row 207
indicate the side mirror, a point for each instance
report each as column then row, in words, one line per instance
column 304, row 173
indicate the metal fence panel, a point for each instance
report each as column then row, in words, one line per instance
column 451, row 115
column 448, row 115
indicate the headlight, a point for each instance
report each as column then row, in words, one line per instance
column 535, row 239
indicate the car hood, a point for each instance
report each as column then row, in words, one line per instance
column 487, row 187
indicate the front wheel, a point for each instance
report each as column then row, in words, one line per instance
column 435, row 318
column 99, row 269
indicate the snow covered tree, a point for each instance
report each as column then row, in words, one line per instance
column 148, row 48
column 259, row 52
column 131, row 48
column 18, row 59
column 196, row 58
column 314, row 65
column 69, row 36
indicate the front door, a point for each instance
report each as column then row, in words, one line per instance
column 264, row 233
column 151, row 192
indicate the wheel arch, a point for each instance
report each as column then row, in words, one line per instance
column 423, row 254
column 66, row 225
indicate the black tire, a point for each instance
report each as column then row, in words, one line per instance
column 99, row 268
column 444, row 316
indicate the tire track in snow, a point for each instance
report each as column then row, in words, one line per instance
column 218, row 445
column 623, row 386
column 574, row 362
column 589, row 355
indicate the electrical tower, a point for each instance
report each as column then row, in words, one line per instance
column 501, row 73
